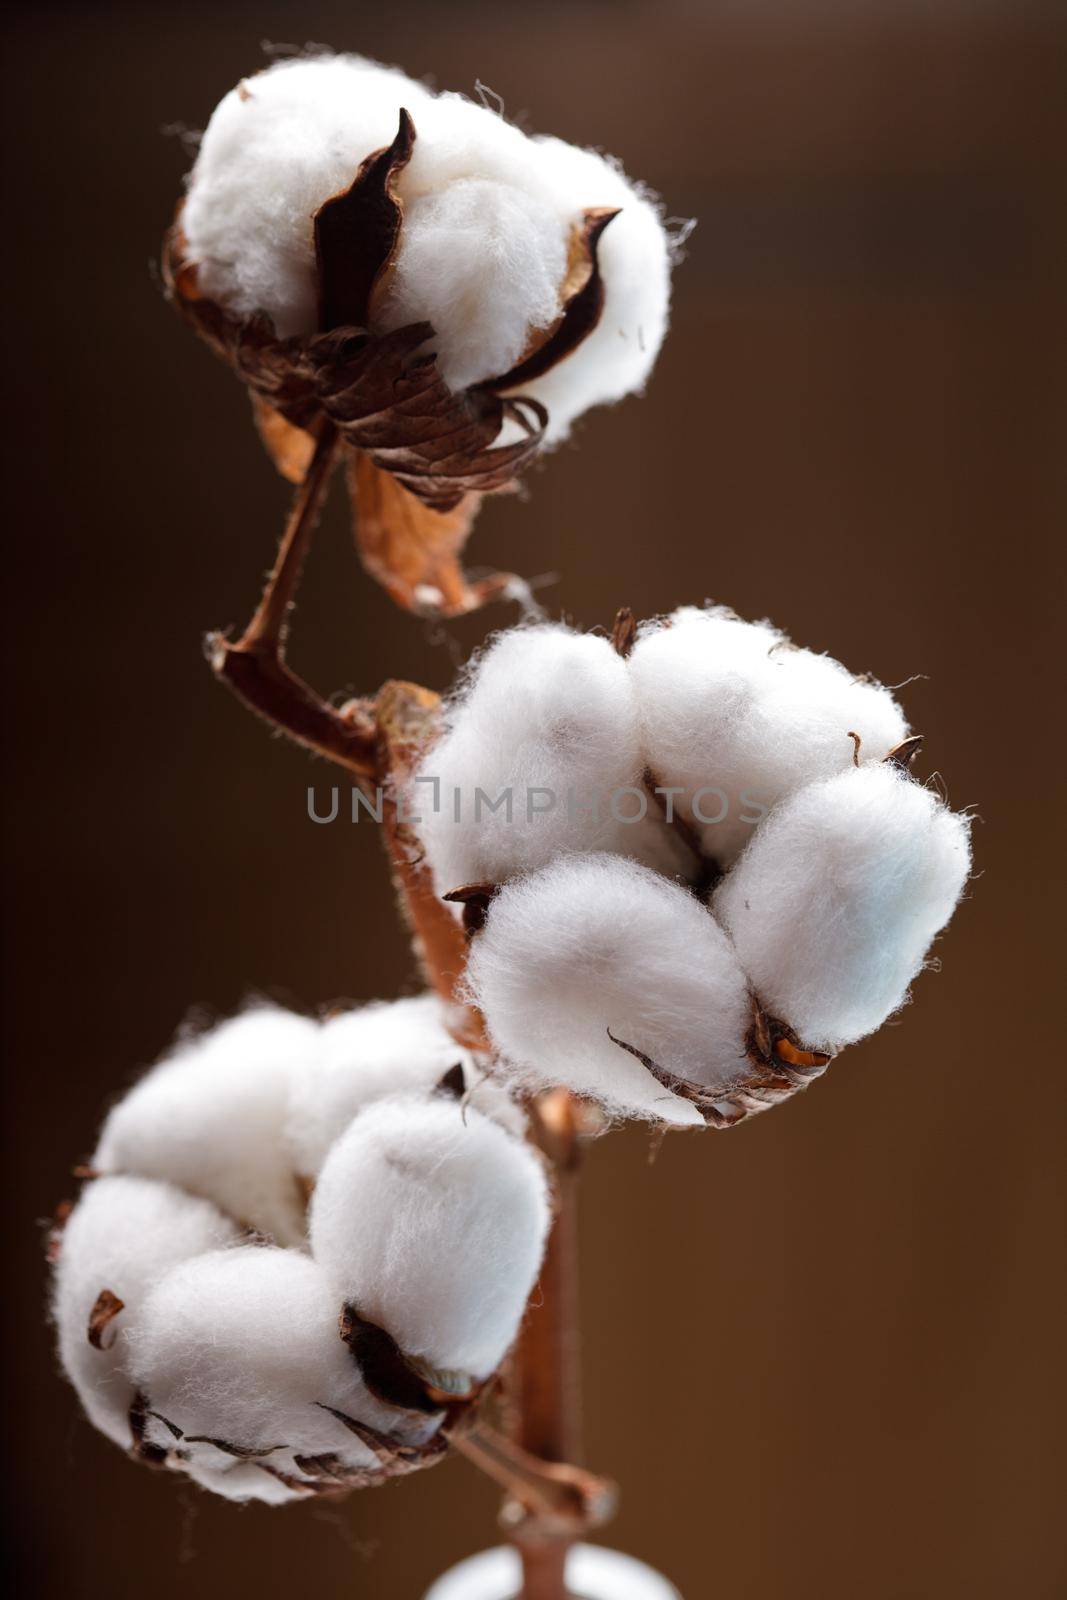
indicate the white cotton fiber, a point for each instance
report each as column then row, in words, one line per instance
column 594, row 943
column 123, row 1235
column 548, row 714
column 431, row 1221
column 366, row 1055
column 277, row 146
column 240, row 1351
column 242, row 1481
column 485, row 262
column 833, row 905
column 483, row 252
column 635, row 268
column 211, row 1118
column 739, row 719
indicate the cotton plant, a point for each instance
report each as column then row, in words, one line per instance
column 664, row 871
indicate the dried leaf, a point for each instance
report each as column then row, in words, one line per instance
column 289, row 447
column 106, row 1308
column 412, row 549
column 356, row 234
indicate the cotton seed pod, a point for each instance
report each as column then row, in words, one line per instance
column 447, row 292
column 376, row 1052
column 211, row 1119
column 429, row 1221
column 585, row 967
column 124, row 1235
column 738, row 719
column 243, row 1373
column 538, row 741
column 834, row 903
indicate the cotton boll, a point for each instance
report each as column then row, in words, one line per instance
column 834, row 903
column 483, row 263
column 277, row 147
column 592, row 944
column 431, row 1221
column 123, row 1235
column 211, row 1118
column 240, row 1351
column 739, row 719
column 634, row 256
column 548, row 714
column 372, row 1053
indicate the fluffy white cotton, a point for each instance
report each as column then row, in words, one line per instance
column 431, row 1221
column 593, row 943
column 635, row 267
column 211, row 1118
column 366, row 1055
column 549, row 715
column 240, row 1351
column 739, row 719
column 483, row 253
column 123, row 1235
column 485, row 261
column 277, row 146
column 833, row 905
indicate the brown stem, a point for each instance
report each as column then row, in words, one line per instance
column 254, row 667
column 547, row 1365
column 267, row 629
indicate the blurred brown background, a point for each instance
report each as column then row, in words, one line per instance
column 824, row 1354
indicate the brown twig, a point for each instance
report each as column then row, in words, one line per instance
column 254, row 667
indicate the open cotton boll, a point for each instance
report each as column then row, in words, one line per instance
column 277, row 146
column 483, row 263
column 211, row 1118
column 430, row 1221
column 239, row 1350
column 389, row 1048
column 833, row 905
column 123, row 1235
column 739, row 719
column 635, row 268
column 547, row 715
column 596, row 943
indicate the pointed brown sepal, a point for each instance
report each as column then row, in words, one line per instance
column 904, row 753
column 386, row 1371
column 452, row 1085
column 106, row 1308
column 141, row 1448
column 413, row 549
column 356, row 234
column 623, row 632
column 243, row 1452
column 289, row 447
column 788, row 1052
column 475, row 898
column 582, row 297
